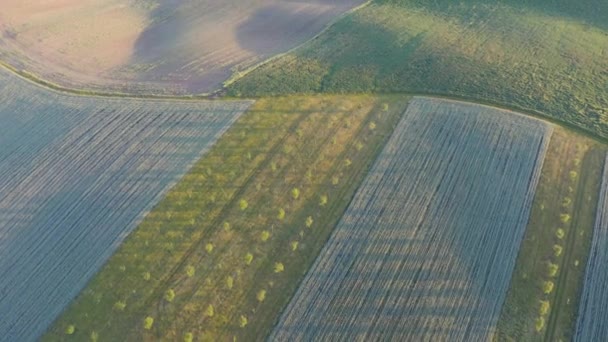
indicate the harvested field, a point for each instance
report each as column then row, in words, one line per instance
column 593, row 311
column 154, row 47
column 76, row 176
column 426, row 248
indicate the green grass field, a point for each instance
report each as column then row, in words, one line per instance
column 549, row 57
column 222, row 254
column 543, row 299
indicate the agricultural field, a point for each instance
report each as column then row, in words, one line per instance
column 593, row 312
column 426, row 248
column 544, row 56
column 151, row 46
column 221, row 255
column 542, row 303
column 77, row 174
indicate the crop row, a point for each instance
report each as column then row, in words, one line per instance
column 593, row 310
column 76, row 176
column 426, row 248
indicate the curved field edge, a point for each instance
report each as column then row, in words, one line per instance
column 78, row 174
column 542, row 303
column 221, row 255
column 425, row 249
column 473, row 50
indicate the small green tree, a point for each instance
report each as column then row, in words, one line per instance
column 278, row 267
column 294, row 245
column 148, row 322
column 567, row 201
column 226, row 226
column 557, row 250
column 281, row 214
column 169, row 295
column 560, row 233
column 261, row 295
column 545, row 306
column 552, row 269
column 70, row 329
column 347, row 162
column 243, row 321
column 188, row 337
column 335, row 180
column 295, row 193
column 548, row 287
column 323, row 200
column 190, row 271
column 146, row 276
column 210, row 311
column 573, row 175
column 243, row 204
column 264, row 236
column 248, row 258
column 229, row 282
column 209, row 248
column 94, row 336
column 565, row 218
column 309, row 221
column 120, row 305
column 539, row 325
column 372, row 125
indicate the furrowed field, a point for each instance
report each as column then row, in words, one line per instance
column 222, row 254
column 593, row 312
column 426, row 248
column 76, row 176
column 542, row 302
column 547, row 56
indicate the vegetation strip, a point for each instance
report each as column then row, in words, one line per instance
column 542, row 302
column 593, row 311
column 425, row 250
column 221, row 255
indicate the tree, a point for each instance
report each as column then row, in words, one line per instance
column 209, row 248
column 188, row 337
column 261, row 295
column 242, row 321
column 309, row 221
column 243, row 204
column 148, row 322
column 70, row 329
column 372, row 126
column 552, row 270
column 210, row 311
column 94, row 336
column 294, row 245
column 323, row 200
column 565, row 218
column 295, row 193
column 264, row 236
column 120, row 305
column 539, row 325
column 169, row 295
column 229, row 282
column 190, row 271
column 557, row 250
column 146, row 276
column 560, row 233
column 281, row 214
column 278, row 267
column 548, row 287
column 545, row 306
column 248, row 258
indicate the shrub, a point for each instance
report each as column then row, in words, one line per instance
column 229, row 282
column 281, row 214
column 553, row 268
column 243, row 321
column 190, row 271
column 347, row 162
column 385, row 107
column 261, row 295
column 573, row 175
column 210, row 311
column 264, row 236
column 539, row 324
column 565, row 218
column 278, row 267
column 120, row 305
column 566, row 202
column 146, row 276
column 294, row 245
column 248, row 258
column 545, row 305
column 323, row 200
column 335, row 180
column 148, row 322
column 309, row 221
column 557, row 250
column 372, row 126
column 70, row 329
column 209, row 248
column 226, row 226
column 548, row 287
column 169, row 295
column 295, row 193
column 188, row 337
column 560, row 233
column 243, row 204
